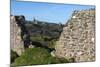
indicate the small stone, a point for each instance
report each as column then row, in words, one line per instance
column 31, row 46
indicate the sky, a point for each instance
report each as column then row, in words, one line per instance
column 50, row 12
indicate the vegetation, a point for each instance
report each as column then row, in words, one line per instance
column 34, row 56
column 42, row 41
column 43, row 36
column 37, row 38
column 13, row 56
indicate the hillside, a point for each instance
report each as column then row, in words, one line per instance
column 44, row 28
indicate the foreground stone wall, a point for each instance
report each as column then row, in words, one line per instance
column 78, row 37
column 17, row 43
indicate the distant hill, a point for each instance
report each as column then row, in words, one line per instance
column 36, row 27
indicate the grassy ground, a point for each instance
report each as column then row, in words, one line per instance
column 37, row 56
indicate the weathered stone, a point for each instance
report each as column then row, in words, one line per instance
column 78, row 37
column 53, row 53
column 17, row 44
column 31, row 46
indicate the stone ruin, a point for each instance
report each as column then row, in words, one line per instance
column 19, row 34
column 76, row 41
column 78, row 37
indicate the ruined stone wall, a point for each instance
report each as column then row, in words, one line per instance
column 78, row 37
column 17, row 43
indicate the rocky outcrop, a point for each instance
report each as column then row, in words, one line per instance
column 78, row 37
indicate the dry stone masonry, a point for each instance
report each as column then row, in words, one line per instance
column 78, row 37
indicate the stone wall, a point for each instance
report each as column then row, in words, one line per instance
column 17, row 43
column 78, row 37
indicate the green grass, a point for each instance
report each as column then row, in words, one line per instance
column 37, row 38
column 52, row 44
column 37, row 56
